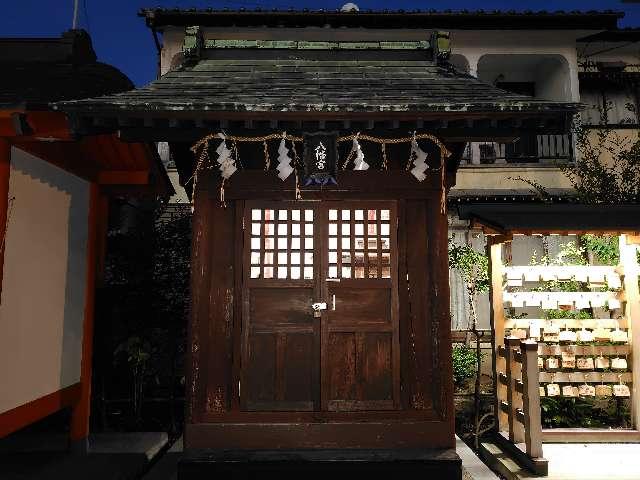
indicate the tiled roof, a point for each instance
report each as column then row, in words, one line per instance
column 316, row 86
column 423, row 19
column 616, row 35
column 36, row 71
column 34, row 85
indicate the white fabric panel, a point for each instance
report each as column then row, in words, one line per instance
column 43, row 295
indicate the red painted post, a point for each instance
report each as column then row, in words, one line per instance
column 82, row 410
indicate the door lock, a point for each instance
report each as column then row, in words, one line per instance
column 317, row 308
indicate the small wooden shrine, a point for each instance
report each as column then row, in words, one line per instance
column 319, row 169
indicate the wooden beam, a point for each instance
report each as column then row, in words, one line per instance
column 123, row 177
column 497, row 328
column 531, row 399
column 633, row 239
column 5, row 169
column 82, row 409
column 65, row 155
column 46, row 125
column 496, row 239
column 631, row 270
column 590, row 435
column 20, row 417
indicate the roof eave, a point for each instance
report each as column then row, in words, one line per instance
column 482, row 20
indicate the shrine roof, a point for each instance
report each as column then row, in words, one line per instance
column 316, row 86
column 543, row 217
column 422, row 19
column 36, row 71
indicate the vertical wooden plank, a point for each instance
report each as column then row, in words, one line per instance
column 237, row 313
column 531, row 399
column 496, row 318
column 395, row 306
column 439, row 312
column 516, row 399
column 197, row 327
column 366, row 242
column 79, row 431
column 514, row 371
column 379, row 242
column 281, row 347
column 5, row 169
column 359, row 362
column 221, row 307
column 321, row 274
column 406, row 366
column 419, row 373
column 629, row 264
column 321, row 290
column 508, row 356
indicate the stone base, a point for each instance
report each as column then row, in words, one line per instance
column 308, row 464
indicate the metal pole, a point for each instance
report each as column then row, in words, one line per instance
column 75, row 14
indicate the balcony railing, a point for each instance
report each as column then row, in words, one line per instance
column 540, row 149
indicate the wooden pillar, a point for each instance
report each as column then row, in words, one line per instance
column 513, row 371
column 628, row 260
column 531, row 399
column 5, row 168
column 497, row 329
column 81, row 411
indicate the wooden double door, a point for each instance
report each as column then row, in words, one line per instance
column 320, row 307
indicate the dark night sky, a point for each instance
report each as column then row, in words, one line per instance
column 121, row 38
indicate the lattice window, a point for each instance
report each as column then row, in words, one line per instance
column 359, row 243
column 282, row 244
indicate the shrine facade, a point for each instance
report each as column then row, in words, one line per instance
column 318, row 162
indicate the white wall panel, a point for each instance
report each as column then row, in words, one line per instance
column 43, row 294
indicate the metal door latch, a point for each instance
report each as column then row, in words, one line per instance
column 318, row 307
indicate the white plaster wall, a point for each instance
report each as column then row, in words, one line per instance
column 553, row 79
column 473, row 45
column 43, row 294
column 172, row 40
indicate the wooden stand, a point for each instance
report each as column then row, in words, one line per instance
column 629, row 263
column 507, row 371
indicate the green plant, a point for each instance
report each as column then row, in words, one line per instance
column 608, row 170
column 570, row 254
column 562, row 412
column 142, row 309
column 560, row 286
column 604, row 247
column 473, row 267
column 464, row 364
column 578, row 314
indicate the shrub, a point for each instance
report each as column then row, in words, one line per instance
column 464, row 364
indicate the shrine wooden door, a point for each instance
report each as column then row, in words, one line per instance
column 343, row 356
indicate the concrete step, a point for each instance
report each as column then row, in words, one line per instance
column 112, row 456
column 499, row 461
